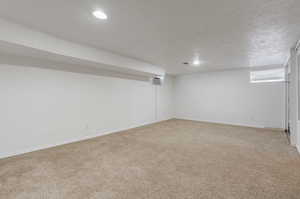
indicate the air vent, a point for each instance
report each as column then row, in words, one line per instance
column 157, row 81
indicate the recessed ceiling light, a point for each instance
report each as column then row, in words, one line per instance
column 196, row 62
column 100, row 15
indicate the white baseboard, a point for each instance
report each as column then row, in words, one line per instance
column 222, row 122
column 37, row 148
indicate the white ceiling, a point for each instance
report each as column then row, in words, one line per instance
column 224, row 34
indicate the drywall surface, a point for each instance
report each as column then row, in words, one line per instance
column 19, row 39
column 293, row 98
column 228, row 97
column 42, row 108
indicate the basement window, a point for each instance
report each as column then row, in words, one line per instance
column 270, row 75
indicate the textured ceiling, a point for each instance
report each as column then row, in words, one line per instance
column 224, row 34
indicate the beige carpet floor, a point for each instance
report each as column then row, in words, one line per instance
column 175, row 159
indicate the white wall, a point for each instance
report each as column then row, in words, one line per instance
column 293, row 116
column 297, row 98
column 293, row 86
column 41, row 108
column 228, row 97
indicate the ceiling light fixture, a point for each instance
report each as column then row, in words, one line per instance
column 100, row 15
column 196, row 62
